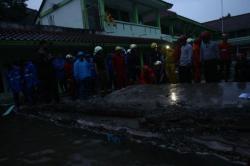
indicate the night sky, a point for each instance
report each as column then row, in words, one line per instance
column 199, row 10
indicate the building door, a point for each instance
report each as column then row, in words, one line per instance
column 93, row 15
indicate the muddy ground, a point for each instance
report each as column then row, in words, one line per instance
column 198, row 118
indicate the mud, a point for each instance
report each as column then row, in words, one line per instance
column 200, row 118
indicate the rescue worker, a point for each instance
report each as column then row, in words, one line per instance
column 185, row 74
column 110, row 69
column 209, row 57
column 58, row 64
column 133, row 63
column 197, row 60
column 170, row 66
column 147, row 75
column 14, row 78
column 48, row 88
column 225, row 58
column 68, row 68
column 101, row 69
column 30, row 82
column 241, row 68
column 155, row 60
column 82, row 74
column 119, row 68
column 93, row 78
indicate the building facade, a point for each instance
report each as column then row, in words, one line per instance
column 238, row 30
column 108, row 17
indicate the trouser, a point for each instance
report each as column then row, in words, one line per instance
column 111, row 80
column 71, row 87
column 225, row 66
column 185, row 74
column 159, row 74
column 197, row 73
column 133, row 75
column 120, row 80
column 16, row 98
column 103, row 81
column 29, row 94
column 211, row 70
column 49, row 90
column 170, row 71
column 84, row 88
column 63, row 85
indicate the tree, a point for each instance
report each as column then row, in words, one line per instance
column 12, row 10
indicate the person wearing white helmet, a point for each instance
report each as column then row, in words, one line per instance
column 151, row 59
column 68, row 68
column 185, row 74
column 119, row 68
column 133, row 63
column 97, row 49
column 101, row 69
column 82, row 73
column 225, row 57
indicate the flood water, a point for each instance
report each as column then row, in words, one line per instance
column 29, row 141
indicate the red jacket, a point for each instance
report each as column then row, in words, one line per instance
column 196, row 54
column 147, row 75
column 119, row 63
column 225, row 51
column 68, row 67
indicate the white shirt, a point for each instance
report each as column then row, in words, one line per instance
column 186, row 55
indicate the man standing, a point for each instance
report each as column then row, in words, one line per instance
column 134, row 64
column 225, row 58
column 82, row 74
column 30, row 81
column 170, row 65
column 209, row 57
column 101, row 69
column 155, row 61
column 197, row 60
column 15, row 83
column 185, row 61
column 119, row 68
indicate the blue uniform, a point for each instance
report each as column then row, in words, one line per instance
column 15, row 84
column 15, row 79
column 30, row 75
column 58, row 64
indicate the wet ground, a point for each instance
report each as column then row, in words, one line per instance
column 199, row 124
column 29, row 141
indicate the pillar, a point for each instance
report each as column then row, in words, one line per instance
column 171, row 28
column 158, row 19
column 102, row 14
column 85, row 19
column 135, row 15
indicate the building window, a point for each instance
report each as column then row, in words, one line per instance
column 51, row 20
column 124, row 16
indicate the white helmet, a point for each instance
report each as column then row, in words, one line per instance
column 157, row 63
column 190, row 40
column 132, row 46
column 118, row 48
column 69, row 56
column 97, row 49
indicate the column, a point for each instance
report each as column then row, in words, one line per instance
column 85, row 19
column 171, row 28
column 135, row 15
column 102, row 14
column 158, row 19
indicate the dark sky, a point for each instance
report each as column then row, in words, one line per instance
column 199, row 10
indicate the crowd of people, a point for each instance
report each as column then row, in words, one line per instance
column 87, row 74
